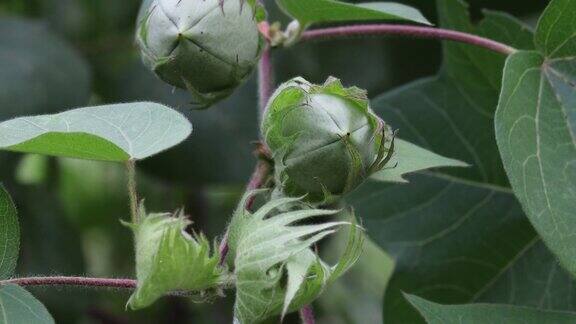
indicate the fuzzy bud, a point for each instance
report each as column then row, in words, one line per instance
column 206, row 46
column 169, row 259
column 325, row 139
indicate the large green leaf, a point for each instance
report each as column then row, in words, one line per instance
column 409, row 158
column 109, row 133
column 487, row 313
column 455, row 232
column 308, row 12
column 17, row 306
column 533, row 279
column 450, row 238
column 536, row 129
column 9, row 235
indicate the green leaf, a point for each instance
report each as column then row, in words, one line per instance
column 450, row 239
column 168, row 259
column 109, row 133
column 9, row 235
column 17, row 306
column 409, row 158
column 309, row 12
column 486, row 313
column 453, row 232
column 533, row 279
column 556, row 31
column 536, row 129
column 276, row 271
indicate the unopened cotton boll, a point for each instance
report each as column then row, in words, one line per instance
column 208, row 47
column 325, row 139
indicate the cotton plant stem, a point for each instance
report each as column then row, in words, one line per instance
column 132, row 190
column 307, row 315
column 265, row 80
column 72, row 281
column 409, row 31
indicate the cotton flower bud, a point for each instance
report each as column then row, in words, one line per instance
column 168, row 259
column 325, row 139
column 206, row 46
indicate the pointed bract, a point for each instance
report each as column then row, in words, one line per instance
column 168, row 259
column 275, row 268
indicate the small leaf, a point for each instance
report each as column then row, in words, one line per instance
column 108, row 133
column 169, row 259
column 9, row 235
column 309, row 12
column 411, row 158
column 536, row 129
column 486, row 313
column 17, row 306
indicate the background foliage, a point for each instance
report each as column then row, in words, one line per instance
column 60, row 54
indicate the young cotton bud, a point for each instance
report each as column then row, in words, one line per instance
column 275, row 267
column 168, row 259
column 325, row 139
column 206, row 46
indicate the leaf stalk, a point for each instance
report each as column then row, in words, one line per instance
column 406, row 30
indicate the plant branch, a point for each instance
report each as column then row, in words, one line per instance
column 265, row 80
column 72, row 281
column 407, row 30
column 307, row 315
column 132, row 191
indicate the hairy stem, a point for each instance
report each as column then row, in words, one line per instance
column 407, row 30
column 72, row 281
column 132, row 191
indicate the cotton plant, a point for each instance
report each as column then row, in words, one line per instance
column 329, row 160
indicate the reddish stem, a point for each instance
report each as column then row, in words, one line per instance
column 407, row 30
column 265, row 79
column 307, row 315
column 72, row 281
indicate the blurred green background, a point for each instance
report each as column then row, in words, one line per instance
column 60, row 54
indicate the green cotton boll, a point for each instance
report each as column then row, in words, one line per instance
column 325, row 139
column 275, row 268
column 208, row 47
column 170, row 260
